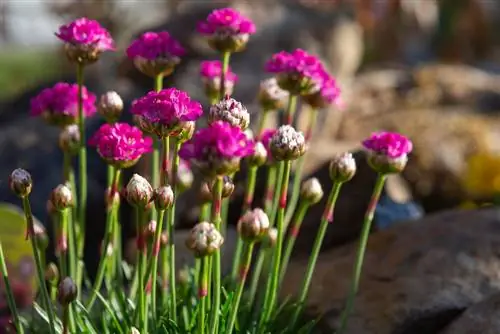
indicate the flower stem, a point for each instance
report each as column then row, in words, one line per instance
column 270, row 183
column 325, row 221
column 247, row 205
column 40, row 270
column 294, row 232
column 262, row 123
column 270, row 299
column 245, row 266
column 82, row 205
column 365, row 232
column 164, row 251
column 63, row 242
column 10, row 296
column 290, row 110
column 141, row 303
column 216, row 220
column 225, row 65
column 292, row 205
column 171, row 235
column 202, row 293
column 66, row 319
column 108, row 234
column 155, row 156
column 152, row 268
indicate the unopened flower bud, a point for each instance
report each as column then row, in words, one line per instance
column 311, row 191
column 287, row 144
column 67, row 291
column 69, row 139
column 259, row 155
column 40, row 234
column 163, row 197
column 184, row 177
column 231, row 111
column 187, row 131
column 342, row 167
column 271, row 95
column 62, row 197
column 51, row 273
column 20, row 182
column 139, row 191
column 227, row 186
column 270, row 238
column 253, row 225
column 110, row 106
column 50, row 207
column 204, row 239
column 150, row 230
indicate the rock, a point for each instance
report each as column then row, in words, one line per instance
column 417, row 277
column 481, row 318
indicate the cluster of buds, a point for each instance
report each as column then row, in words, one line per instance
column 230, row 111
column 204, row 239
column 287, row 144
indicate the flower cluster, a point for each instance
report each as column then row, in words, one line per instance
column 265, row 139
column 120, row 144
column 210, row 72
column 155, row 53
column 231, row 111
column 58, row 105
column 85, row 39
column 165, row 113
column 227, row 29
column 217, row 149
column 388, row 151
column 328, row 93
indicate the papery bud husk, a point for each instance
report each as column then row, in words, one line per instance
column 69, row 139
column 184, row 178
column 139, row 191
column 342, row 167
column 204, row 194
column 163, row 197
column 227, row 186
column 228, row 42
column 82, row 54
column 40, row 234
column 186, row 131
column 311, row 191
column 204, row 239
column 62, row 197
column 158, row 66
column 270, row 238
column 253, row 225
column 258, row 157
column 20, row 182
column 51, row 273
column 110, row 106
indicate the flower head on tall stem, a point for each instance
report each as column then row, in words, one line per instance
column 58, row 105
column 139, row 192
column 287, row 144
column 204, row 239
column 271, row 95
column 217, row 149
column 85, row 40
column 342, row 167
column 165, row 113
column 231, row 111
column 67, row 291
column 298, row 72
column 20, row 182
column 110, row 106
column 120, row 144
column 253, row 225
column 388, row 151
column 155, row 53
column 328, row 93
column 69, row 139
column 210, row 72
column 227, row 30
column 311, row 191
column 62, row 197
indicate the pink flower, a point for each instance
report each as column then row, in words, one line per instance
column 120, row 144
column 217, row 149
column 58, row 105
column 265, row 139
column 212, row 69
column 227, row 29
column 84, row 31
column 328, row 93
column 298, row 72
column 390, row 144
column 165, row 112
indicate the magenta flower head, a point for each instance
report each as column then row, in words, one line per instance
column 227, row 29
column 58, row 105
column 155, row 53
column 85, row 40
column 298, row 72
column 217, row 149
column 210, row 72
column 388, row 151
column 328, row 93
column 165, row 113
column 120, row 144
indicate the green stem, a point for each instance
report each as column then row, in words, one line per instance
column 141, row 268
column 270, row 183
column 65, row 319
column 290, row 110
column 164, row 250
column 205, row 212
column 270, row 299
column 82, row 205
column 73, row 263
column 10, row 296
column 202, row 293
column 245, row 266
column 254, row 283
column 225, row 65
column 292, row 204
column 325, row 221
column 365, row 232
column 294, row 232
column 155, row 156
column 40, row 272
column 108, row 234
column 277, row 193
column 247, row 205
column 262, row 123
column 216, row 220
column 63, row 242
column 152, row 269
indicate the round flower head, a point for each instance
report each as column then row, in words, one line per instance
column 120, row 144
column 297, row 72
column 287, row 144
column 328, row 93
column 210, row 72
column 110, row 106
column 69, row 139
column 311, row 191
column 217, row 149
column 204, row 239
column 231, row 111
column 58, row 105
column 265, row 139
column 388, row 151
column 227, row 30
column 271, row 95
column 165, row 113
column 253, row 225
column 155, row 53
column 259, row 156
column 20, row 182
column 342, row 167
column 85, row 40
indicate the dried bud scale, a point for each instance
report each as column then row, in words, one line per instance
column 270, row 238
column 271, row 95
column 51, row 273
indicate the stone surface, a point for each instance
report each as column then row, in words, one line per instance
column 481, row 318
column 417, row 277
